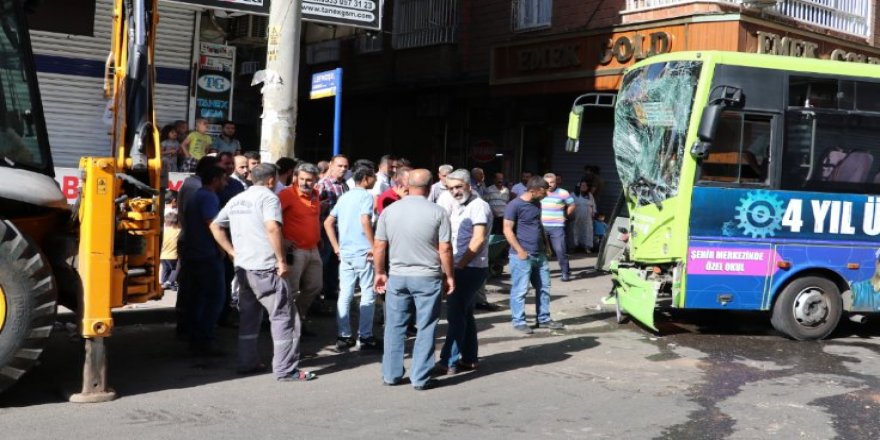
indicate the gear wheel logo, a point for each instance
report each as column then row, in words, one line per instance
column 759, row 214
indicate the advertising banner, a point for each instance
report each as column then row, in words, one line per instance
column 214, row 85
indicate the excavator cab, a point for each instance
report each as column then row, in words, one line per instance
column 23, row 140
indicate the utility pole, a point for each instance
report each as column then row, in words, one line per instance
column 281, row 80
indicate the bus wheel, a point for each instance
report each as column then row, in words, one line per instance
column 809, row 308
column 27, row 293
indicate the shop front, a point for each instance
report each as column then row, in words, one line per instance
column 542, row 77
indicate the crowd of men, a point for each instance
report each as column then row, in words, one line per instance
column 274, row 238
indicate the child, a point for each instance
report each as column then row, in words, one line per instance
column 599, row 229
column 168, row 257
column 196, row 144
column 170, row 148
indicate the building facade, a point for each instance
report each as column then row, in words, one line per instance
column 489, row 83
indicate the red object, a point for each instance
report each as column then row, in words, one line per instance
column 386, row 198
column 301, row 215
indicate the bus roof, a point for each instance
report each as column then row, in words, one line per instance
column 779, row 62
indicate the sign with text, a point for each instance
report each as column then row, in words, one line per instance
column 215, row 84
column 69, row 181
column 324, row 84
column 357, row 13
column 253, row 6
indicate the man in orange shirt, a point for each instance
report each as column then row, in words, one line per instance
column 301, row 210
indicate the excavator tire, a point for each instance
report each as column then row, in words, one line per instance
column 27, row 303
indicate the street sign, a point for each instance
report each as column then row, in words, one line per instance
column 324, row 84
column 356, row 13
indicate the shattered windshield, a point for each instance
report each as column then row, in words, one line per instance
column 650, row 126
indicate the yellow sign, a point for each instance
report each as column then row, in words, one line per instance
column 102, row 185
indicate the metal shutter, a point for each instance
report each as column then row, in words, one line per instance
column 595, row 149
column 71, row 76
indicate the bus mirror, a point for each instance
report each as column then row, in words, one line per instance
column 700, row 149
column 572, row 144
column 709, row 122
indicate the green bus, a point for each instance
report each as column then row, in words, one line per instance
column 752, row 182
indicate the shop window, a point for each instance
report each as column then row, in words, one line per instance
column 72, row 17
column 532, row 14
column 831, row 152
column 741, row 152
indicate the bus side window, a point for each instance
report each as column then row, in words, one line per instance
column 831, row 152
column 741, row 152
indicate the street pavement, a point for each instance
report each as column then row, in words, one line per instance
column 706, row 376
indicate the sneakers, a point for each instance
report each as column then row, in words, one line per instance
column 566, row 277
column 369, row 343
column 552, row 325
column 344, row 343
column 524, row 329
column 298, row 376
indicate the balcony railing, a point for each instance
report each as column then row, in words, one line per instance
column 852, row 17
column 419, row 23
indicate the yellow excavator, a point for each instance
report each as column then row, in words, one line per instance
column 103, row 252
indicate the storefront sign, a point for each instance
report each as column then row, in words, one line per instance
column 356, row 13
column 549, row 57
column 253, row 6
column 639, row 46
column 215, row 84
column 774, row 44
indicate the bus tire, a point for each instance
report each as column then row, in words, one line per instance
column 808, row 309
column 29, row 299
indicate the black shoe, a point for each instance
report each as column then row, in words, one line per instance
column 566, row 277
column 523, row 328
column 411, row 331
column 370, row 343
column 487, row 306
column 343, row 344
column 429, row 384
column 552, row 325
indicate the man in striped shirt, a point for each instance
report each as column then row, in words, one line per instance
column 558, row 205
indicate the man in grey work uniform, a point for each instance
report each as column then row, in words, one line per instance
column 254, row 220
column 416, row 235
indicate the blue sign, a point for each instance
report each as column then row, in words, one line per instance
column 324, row 84
column 757, row 214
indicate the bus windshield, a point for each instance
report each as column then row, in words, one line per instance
column 19, row 143
column 650, row 126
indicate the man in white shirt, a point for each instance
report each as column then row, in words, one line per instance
column 471, row 221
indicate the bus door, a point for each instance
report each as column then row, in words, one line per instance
column 733, row 217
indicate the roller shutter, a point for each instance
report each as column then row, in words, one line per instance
column 70, row 70
column 595, row 149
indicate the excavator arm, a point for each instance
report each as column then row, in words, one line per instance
column 120, row 204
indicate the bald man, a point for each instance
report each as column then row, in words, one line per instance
column 415, row 234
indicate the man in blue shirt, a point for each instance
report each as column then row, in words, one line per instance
column 354, row 211
column 528, row 256
column 204, row 262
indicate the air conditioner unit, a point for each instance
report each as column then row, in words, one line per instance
column 248, row 29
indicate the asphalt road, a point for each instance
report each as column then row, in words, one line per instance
column 708, row 375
